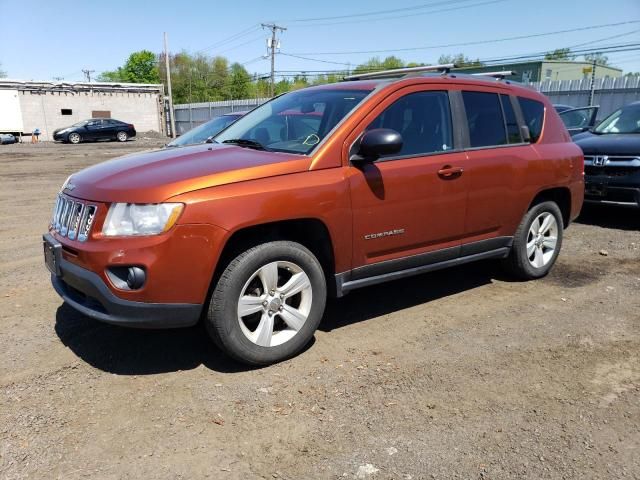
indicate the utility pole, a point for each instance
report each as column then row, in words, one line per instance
column 272, row 44
column 593, row 82
column 87, row 74
column 168, row 69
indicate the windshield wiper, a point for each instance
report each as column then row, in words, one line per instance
column 243, row 142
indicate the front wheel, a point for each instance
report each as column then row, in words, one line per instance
column 536, row 243
column 267, row 303
column 74, row 138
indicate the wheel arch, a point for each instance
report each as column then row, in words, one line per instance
column 312, row 233
column 561, row 196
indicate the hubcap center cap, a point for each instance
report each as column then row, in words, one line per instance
column 274, row 304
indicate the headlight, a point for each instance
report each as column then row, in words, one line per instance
column 126, row 219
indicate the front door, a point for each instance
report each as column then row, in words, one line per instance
column 409, row 208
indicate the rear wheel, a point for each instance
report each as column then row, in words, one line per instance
column 537, row 242
column 122, row 136
column 267, row 303
column 74, row 138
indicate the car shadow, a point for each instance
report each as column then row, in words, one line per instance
column 125, row 351
column 370, row 302
column 610, row 216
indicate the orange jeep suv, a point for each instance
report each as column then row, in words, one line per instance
column 316, row 193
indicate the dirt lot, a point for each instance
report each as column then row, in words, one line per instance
column 455, row 374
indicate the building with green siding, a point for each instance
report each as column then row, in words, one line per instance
column 542, row 70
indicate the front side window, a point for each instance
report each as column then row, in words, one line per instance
column 295, row 122
column 624, row 120
column 484, row 118
column 424, row 121
column 533, row 113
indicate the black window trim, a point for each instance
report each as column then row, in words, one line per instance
column 524, row 123
column 455, row 135
column 464, row 124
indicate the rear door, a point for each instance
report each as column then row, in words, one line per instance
column 497, row 159
column 409, row 208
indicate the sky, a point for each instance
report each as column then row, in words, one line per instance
column 50, row 39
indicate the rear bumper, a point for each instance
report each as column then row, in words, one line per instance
column 86, row 292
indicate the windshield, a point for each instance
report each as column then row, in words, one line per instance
column 295, row 122
column 624, row 120
column 204, row 131
column 80, row 124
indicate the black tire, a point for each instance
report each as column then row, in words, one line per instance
column 71, row 138
column 222, row 320
column 122, row 136
column 518, row 263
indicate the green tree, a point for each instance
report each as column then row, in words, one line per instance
column 140, row 67
column 599, row 58
column 374, row 64
column 3, row 74
column 239, row 82
column 460, row 59
column 560, row 54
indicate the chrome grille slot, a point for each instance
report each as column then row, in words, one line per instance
column 87, row 221
column 64, row 217
column 73, row 219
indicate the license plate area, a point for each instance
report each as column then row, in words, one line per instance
column 596, row 189
column 52, row 254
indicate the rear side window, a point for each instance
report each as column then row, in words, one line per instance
column 484, row 118
column 533, row 112
column 513, row 129
column 424, row 121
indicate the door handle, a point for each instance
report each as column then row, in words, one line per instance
column 448, row 172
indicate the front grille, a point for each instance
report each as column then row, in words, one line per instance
column 610, row 171
column 73, row 218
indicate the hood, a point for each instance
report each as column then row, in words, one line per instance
column 158, row 175
column 609, row 143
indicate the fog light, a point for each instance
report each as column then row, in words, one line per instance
column 135, row 278
column 127, row 278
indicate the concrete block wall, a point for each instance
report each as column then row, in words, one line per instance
column 43, row 110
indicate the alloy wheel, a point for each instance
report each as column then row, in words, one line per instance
column 542, row 239
column 274, row 303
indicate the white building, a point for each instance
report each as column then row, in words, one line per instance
column 27, row 105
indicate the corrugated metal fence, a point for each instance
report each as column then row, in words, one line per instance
column 610, row 94
column 193, row 114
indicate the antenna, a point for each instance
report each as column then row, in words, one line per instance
column 401, row 72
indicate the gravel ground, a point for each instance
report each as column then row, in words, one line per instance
column 455, row 374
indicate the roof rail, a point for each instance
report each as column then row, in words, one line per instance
column 401, row 72
column 497, row 75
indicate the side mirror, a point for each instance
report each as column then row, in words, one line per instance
column 376, row 143
column 526, row 134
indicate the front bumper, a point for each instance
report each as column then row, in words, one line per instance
column 85, row 291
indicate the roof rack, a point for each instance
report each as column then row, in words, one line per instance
column 401, row 72
column 497, row 75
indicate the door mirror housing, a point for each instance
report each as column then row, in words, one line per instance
column 376, row 143
column 526, row 134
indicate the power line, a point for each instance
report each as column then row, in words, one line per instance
column 369, row 20
column 477, row 42
column 497, row 61
column 378, row 12
column 230, row 39
column 313, row 59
